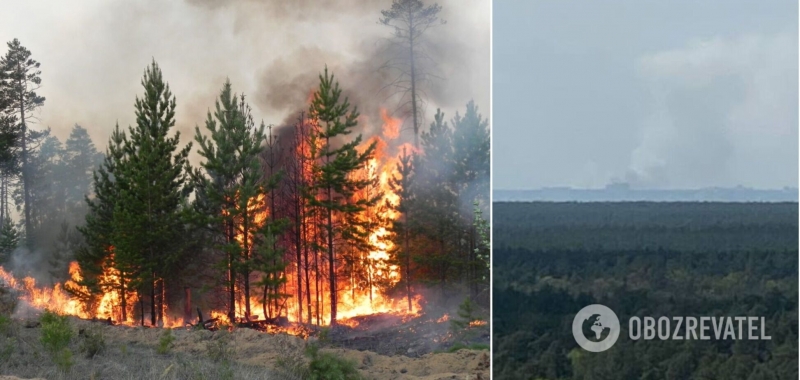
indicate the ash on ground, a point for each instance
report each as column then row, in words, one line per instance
column 391, row 334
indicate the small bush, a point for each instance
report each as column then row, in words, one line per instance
column 93, row 342
column 326, row 366
column 166, row 342
column 56, row 336
column 466, row 314
column 5, row 325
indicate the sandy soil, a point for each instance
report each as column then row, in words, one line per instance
column 260, row 349
column 255, row 352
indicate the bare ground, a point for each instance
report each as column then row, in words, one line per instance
column 131, row 353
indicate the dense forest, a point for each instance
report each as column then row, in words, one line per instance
column 313, row 220
column 643, row 259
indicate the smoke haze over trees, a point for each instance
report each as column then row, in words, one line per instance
column 329, row 206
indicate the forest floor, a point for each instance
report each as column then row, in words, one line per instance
column 379, row 348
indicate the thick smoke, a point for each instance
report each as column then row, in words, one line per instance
column 273, row 51
column 721, row 107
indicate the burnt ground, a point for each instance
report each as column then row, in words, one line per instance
column 389, row 334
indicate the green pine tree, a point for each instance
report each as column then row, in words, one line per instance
column 22, row 78
column 9, row 240
column 95, row 254
column 336, row 185
column 436, row 209
column 80, row 159
column 148, row 219
column 231, row 191
column 402, row 185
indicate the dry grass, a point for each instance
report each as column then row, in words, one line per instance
column 117, row 352
column 29, row 359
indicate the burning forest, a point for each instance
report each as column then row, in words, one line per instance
column 350, row 215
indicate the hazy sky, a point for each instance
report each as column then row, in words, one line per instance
column 93, row 54
column 670, row 94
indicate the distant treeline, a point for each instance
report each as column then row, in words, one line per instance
column 623, row 192
column 643, row 259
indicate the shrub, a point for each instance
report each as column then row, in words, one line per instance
column 56, row 336
column 326, row 366
column 165, row 343
column 5, row 324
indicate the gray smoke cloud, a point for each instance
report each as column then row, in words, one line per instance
column 93, row 56
column 721, row 106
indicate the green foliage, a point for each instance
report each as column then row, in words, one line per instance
column 165, row 342
column 327, row 366
column 21, row 80
column 5, row 324
column 462, row 346
column 56, row 336
column 336, row 185
column 466, row 314
column 231, row 189
column 703, row 259
column 9, row 239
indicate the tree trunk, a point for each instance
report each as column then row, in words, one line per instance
column 231, row 275
column 331, row 264
column 246, row 250
column 413, row 82
column 141, row 306
column 122, row 298
column 153, row 300
column 408, row 262
column 25, row 174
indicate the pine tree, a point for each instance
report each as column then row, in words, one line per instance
column 94, row 255
column 268, row 259
column 410, row 19
column 436, row 209
column 471, row 178
column 9, row 240
column 471, row 144
column 46, row 189
column 231, row 187
column 402, row 185
column 9, row 144
column 335, row 185
column 80, row 159
column 147, row 220
column 63, row 252
column 22, row 79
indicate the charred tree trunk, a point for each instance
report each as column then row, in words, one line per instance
column 162, row 295
column 246, row 269
column 408, row 261
column 25, row 172
column 153, row 301
column 231, row 274
column 331, row 263
column 122, row 297
column 141, row 306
